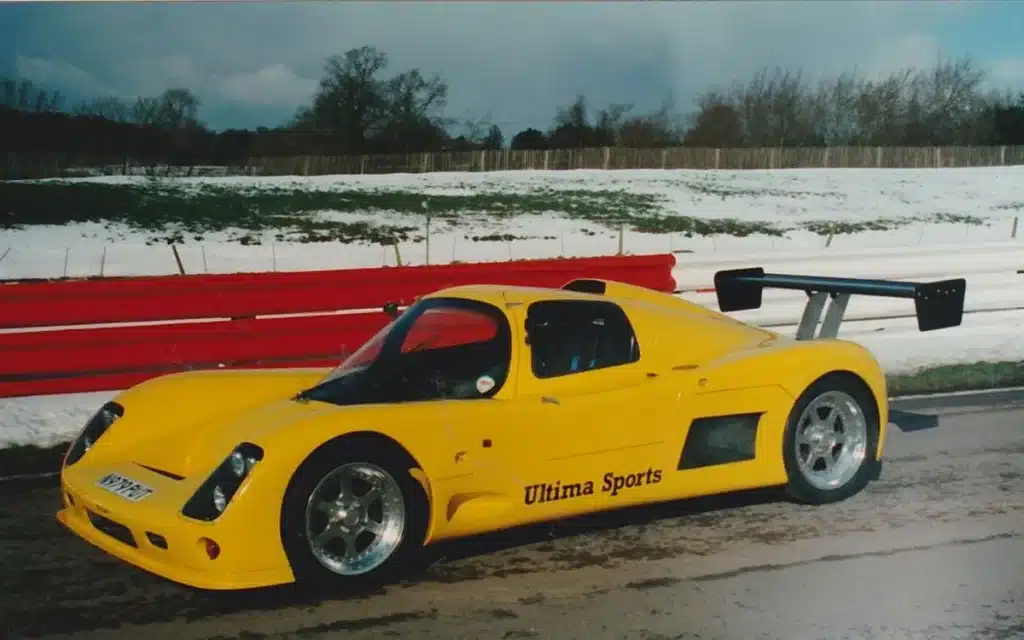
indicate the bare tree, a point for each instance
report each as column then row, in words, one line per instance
column 25, row 95
column 178, row 110
column 349, row 102
column 716, row 125
column 109, row 107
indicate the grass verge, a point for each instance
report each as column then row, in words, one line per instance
column 26, row 460
column 168, row 211
column 958, row 377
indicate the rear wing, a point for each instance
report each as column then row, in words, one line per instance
column 938, row 305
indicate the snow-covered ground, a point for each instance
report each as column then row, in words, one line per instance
column 986, row 254
column 786, row 198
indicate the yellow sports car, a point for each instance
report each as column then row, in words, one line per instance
column 480, row 408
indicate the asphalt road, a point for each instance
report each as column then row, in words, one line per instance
column 933, row 550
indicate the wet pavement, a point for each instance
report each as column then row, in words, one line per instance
column 933, row 550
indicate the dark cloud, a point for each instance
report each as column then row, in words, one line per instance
column 514, row 61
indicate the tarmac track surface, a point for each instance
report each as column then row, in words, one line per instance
column 935, row 549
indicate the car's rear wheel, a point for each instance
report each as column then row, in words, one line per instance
column 831, row 440
column 353, row 516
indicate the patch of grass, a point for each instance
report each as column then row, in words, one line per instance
column 958, row 377
column 957, row 218
column 691, row 226
column 176, row 212
column 171, row 212
column 1010, row 206
column 506, row 237
column 841, row 227
column 30, row 459
column 724, row 191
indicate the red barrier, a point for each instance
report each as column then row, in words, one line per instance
column 155, row 298
column 43, row 362
column 96, row 359
column 114, row 381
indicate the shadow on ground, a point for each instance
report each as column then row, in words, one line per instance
column 105, row 593
column 909, row 421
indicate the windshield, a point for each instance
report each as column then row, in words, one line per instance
column 439, row 348
column 363, row 356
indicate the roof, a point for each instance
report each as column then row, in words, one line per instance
column 499, row 294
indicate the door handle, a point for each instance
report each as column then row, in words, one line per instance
column 549, row 400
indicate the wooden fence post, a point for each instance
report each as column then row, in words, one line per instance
column 177, row 258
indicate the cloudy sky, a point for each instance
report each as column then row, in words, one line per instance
column 514, row 62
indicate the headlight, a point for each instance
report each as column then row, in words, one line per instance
column 220, row 501
column 238, row 466
column 214, row 495
column 93, row 431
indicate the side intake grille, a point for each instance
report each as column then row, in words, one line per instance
column 720, row 440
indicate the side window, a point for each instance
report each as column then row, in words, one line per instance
column 455, row 349
column 573, row 336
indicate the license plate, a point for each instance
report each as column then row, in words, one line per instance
column 125, row 487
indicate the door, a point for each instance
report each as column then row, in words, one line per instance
column 596, row 414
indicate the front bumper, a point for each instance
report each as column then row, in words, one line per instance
column 163, row 542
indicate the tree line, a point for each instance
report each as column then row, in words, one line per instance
column 358, row 109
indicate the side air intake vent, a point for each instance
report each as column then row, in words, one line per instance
column 720, row 440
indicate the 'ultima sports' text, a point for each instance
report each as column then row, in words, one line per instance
column 611, row 483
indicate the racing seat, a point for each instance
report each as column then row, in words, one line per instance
column 587, row 346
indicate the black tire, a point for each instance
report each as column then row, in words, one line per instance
column 800, row 488
column 406, row 557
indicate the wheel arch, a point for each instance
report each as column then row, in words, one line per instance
column 800, row 487
column 858, row 380
column 855, row 378
column 371, row 439
column 850, row 377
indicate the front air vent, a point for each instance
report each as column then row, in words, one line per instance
column 156, row 540
column 115, row 530
column 166, row 474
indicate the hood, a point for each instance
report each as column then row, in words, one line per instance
column 198, row 447
column 179, row 423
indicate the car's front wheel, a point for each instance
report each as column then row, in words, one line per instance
column 831, row 440
column 353, row 516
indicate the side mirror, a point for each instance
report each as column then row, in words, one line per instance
column 391, row 309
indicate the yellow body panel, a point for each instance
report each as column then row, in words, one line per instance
column 540, row 449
